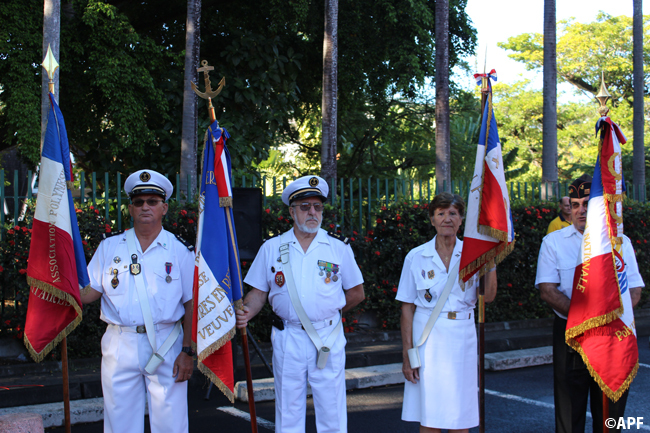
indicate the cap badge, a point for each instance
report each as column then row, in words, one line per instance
column 313, row 181
column 144, row 176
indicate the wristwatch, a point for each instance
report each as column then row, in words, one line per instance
column 188, row 350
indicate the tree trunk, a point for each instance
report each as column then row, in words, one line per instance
column 638, row 167
column 443, row 149
column 190, row 99
column 549, row 136
column 51, row 37
column 330, row 90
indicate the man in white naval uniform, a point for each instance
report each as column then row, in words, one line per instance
column 327, row 281
column 558, row 257
column 166, row 268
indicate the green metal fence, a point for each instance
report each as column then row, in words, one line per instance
column 357, row 198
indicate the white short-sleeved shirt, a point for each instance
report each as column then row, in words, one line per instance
column 120, row 305
column 559, row 255
column 423, row 269
column 321, row 300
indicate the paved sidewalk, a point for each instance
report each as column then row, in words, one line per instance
column 373, row 360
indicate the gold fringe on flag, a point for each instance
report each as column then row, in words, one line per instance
column 497, row 254
column 66, row 297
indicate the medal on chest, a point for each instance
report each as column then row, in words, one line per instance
column 279, row 279
column 135, row 268
column 114, row 282
column 427, row 295
column 168, row 269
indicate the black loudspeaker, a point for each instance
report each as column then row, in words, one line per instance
column 247, row 213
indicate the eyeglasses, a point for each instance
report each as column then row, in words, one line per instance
column 151, row 202
column 318, row 207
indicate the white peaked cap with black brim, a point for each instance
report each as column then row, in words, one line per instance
column 306, row 186
column 148, row 182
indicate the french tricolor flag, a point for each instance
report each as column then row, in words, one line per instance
column 56, row 268
column 600, row 323
column 218, row 286
column 489, row 231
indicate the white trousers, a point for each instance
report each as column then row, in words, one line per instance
column 124, row 383
column 294, row 363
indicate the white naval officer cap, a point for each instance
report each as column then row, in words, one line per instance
column 306, row 186
column 148, row 182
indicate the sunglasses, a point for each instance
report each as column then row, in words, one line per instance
column 318, row 207
column 151, row 202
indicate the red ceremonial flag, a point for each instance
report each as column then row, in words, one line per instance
column 600, row 323
column 489, row 232
column 56, row 268
column 217, row 275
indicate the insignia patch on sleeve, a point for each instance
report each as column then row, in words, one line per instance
column 184, row 242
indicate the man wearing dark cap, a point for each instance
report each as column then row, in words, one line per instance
column 556, row 265
column 309, row 276
column 144, row 278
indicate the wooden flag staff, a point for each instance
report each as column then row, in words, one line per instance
column 209, row 94
column 51, row 65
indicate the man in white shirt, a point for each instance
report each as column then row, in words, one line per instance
column 146, row 260
column 327, row 280
column 556, row 265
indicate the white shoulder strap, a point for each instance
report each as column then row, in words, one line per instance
column 140, row 286
column 297, row 305
column 453, row 274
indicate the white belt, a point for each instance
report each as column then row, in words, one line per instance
column 452, row 315
column 141, row 329
column 320, row 324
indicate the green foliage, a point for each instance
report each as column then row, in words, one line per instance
column 585, row 51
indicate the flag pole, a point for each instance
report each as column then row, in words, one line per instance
column 66, row 384
column 51, row 65
column 481, row 301
column 209, row 94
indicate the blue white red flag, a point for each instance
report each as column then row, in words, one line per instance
column 217, row 276
column 489, row 232
column 600, row 323
column 56, row 268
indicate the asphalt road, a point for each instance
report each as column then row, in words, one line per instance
column 517, row 401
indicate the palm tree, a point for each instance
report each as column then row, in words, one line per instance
column 549, row 128
column 190, row 100
column 638, row 168
column 330, row 84
column 443, row 150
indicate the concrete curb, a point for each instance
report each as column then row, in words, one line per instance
column 92, row 410
column 391, row 374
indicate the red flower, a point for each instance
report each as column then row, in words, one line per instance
column 415, row 206
column 331, row 226
column 10, row 231
column 78, row 210
column 383, row 208
column 267, row 210
column 280, row 218
column 23, row 271
column 528, row 212
column 11, row 242
column 398, row 217
column 370, row 232
column 509, row 285
column 354, row 233
column 84, row 242
column 183, row 212
column 520, row 303
column 343, row 320
column 191, row 221
column 638, row 241
column 379, row 221
column 108, row 228
column 355, row 321
column 7, row 322
column 244, row 263
column 400, row 225
column 97, row 211
column 352, row 239
column 394, row 289
column 2, row 269
column 377, row 252
column 539, row 216
column 16, row 228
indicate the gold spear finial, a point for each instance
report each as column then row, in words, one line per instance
column 603, row 96
column 209, row 93
column 50, row 65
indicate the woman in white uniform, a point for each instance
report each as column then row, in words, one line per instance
column 443, row 392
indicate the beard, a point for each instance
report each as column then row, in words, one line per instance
column 307, row 229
